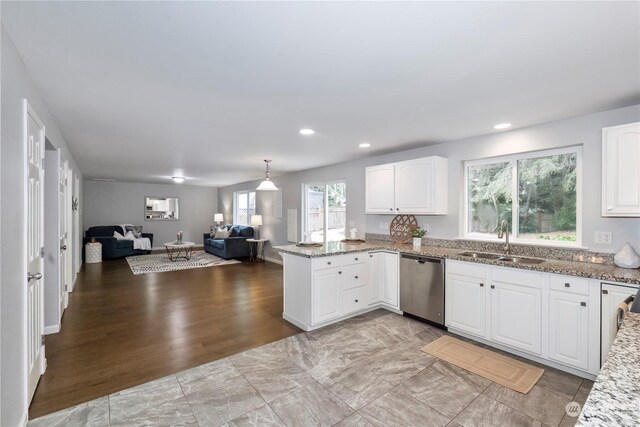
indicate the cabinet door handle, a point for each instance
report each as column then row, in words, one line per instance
column 609, row 208
column 356, row 277
column 370, row 256
column 567, row 285
column 356, row 300
column 339, row 272
column 482, row 285
column 328, row 262
column 356, row 259
column 493, row 286
column 583, row 304
column 605, row 292
column 391, row 209
column 397, row 209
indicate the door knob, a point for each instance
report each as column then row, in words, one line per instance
column 36, row 276
column 63, row 247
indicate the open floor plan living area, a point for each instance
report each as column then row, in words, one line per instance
column 319, row 213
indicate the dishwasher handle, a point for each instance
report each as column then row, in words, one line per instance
column 422, row 260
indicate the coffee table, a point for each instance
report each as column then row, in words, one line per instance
column 179, row 250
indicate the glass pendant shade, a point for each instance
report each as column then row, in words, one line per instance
column 267, row 185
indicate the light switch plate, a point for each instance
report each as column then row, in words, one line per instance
column 603, row 237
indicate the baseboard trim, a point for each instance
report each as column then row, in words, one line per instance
column 53, row 329
column 273, row 260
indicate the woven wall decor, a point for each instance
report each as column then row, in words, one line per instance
column 401, row 228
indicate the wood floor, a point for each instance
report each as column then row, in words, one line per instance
column 122, row 330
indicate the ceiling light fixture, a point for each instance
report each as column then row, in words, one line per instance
column 307, row 131
column 501, row 126
column 178, row 179
column 364, row 145
column 267, row 184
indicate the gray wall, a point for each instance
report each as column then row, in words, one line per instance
column 585, row 130
column 112, row 203
column 15, row 86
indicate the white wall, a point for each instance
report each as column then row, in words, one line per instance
column 112, row 203
column 585, row 130
column 15, row 86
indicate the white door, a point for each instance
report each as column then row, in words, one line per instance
column 390, row 289
column 414, row 186
column 516, row 316
column 379, row 189
column 375, row 277
column 569, row 329
column 326, row 295
column 612, row 296
column 621, row 174
column 34, row 141
column 466, row 304
column 69, row 243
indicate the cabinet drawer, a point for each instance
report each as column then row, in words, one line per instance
column 354, row 275
column 469, row 269
column 355, row 299
column 321, row 263
column 517, row 277
column 574, row 285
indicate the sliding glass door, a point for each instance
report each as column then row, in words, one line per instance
column 324, row 211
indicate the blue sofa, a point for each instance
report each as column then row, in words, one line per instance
column 235, row 246
column 112, row 247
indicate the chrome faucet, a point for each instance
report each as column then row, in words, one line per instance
column 504, row 229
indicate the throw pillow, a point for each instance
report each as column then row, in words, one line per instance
column 135, row 229
column 129, row 236
column 221, row 234
column 118, row 236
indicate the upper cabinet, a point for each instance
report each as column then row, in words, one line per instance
column 620, row 170
column 416, row 187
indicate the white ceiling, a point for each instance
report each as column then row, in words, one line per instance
column 142, row 91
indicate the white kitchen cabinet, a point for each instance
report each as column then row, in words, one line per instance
column 516, row 316
column 326, row 295
column 569, row 329
column 384, row 279
column 380, row 189
column 416, row 187
column 611, row 297
column 620, row 171
column 465, row 307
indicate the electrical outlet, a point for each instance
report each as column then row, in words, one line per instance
column 382, row 226
column 352, row 224
column 603, row 237
column 426, row 228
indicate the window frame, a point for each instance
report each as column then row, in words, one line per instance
column 236, row 195
column 325, row 222
column 515, row 207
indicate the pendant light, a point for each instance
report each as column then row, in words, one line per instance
column 267, row 184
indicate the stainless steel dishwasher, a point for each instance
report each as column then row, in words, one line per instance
column 422, row 287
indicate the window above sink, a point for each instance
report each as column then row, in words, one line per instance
column 537, row 193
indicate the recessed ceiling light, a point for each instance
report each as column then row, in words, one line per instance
column 364, row 145
column 500, row 126
column 178, row 179
column 307, row 131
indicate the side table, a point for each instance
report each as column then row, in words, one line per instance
column 93, row 252
column 256, row 249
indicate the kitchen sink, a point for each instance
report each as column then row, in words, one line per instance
column 515, row 260
column 521, row 260
column 480, row 255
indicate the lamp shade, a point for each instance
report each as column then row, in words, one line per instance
column 218, row 217
column 256, row 220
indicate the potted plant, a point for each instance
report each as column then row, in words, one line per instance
column 417, row 233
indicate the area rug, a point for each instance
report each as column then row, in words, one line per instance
column 160, row 263
column 493, row 366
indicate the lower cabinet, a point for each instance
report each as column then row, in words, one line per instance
column 384, row 277
column 465, row 304
column 549, row 316
column 516, row 312
column 325, row 295
column 612, row 296
column 569, row 329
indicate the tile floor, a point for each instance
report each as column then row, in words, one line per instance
column 365, row 371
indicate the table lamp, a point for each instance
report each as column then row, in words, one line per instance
column 256, row 221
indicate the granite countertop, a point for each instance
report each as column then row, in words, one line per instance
column 591, row 270
column 615, row 397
